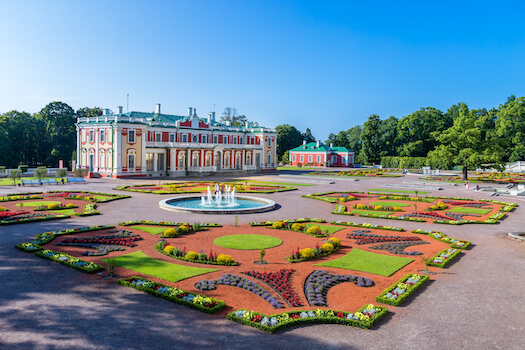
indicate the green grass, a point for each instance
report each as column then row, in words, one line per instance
column 326, row 228
column 9, row 182
column 390, row 204
column 467, row 210
column 247, row 242
column 276, row 183
column 37, row 204
column 395, row 191
column 63, row 212
column 97, row 197
column 154, row 230
column 376, row 212
column 360, row 260
column 141, row 263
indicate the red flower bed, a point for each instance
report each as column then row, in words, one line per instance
column 280, row 282
column 127, row 241
column 366, row 238
column 6, row 214
column 433, row 214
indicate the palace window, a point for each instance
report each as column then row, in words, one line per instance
column 208, row 159
column 195, row 159
column 215, row 139
column 172, row 137
column 102, row 135
column 309, row 158
column 204, row 138
column 235, row 140
column 195, row 139
column 240, row 140
column 149, row 161
column 269, row 141
column 184, row 138
column 293, row 158
column 131, row 136
column 158, row 137
column 91, row 135
column 160, row 161
column 302, row 158
column 131, row 161
column 318, row 159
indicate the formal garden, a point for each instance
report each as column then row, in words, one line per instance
column 269, row 274
column 39, row 206
column 409, row 206
column 202, row 186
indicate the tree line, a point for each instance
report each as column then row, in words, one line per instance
column 459, row 136
column 42, row 138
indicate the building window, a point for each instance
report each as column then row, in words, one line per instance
column 160, row 161
column 149, row 161
column 195, row 159
column 248, row 158
column 293, row 158
column 269, row 141
column 208, row 159
column 302, row 158
column 91, row 136
column 269, row 158
column 102, row 135
column 240, row 140
column 184, row 138
column 318, row 159
column 309, row 158
column 172, row 137
column 227, row 159
column 344, row 159
column 235, row 140
column 182, row 159
column 131, row 136
column 131, row 161
column 158, row 137
column 195, row 139
column 215, row 139
column 204, row 138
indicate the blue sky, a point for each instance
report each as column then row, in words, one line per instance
column 326, row 65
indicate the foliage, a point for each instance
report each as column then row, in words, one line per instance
column 402, row 289
column 288, row 137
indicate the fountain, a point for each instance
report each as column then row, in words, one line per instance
column 223, row 200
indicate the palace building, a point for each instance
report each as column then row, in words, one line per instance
column 318, row 154
column 138, row 144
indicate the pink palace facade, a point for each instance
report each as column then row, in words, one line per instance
column 138, row 144
column 318, row 154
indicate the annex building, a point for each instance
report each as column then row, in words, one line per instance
column 318, row 154
column 138, row 144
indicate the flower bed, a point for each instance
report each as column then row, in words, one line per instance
column 399, row 248
column 194, row 301
column 440, row 236
column 103, row 244
column 442, row 258
column 212, row 259
column 31, row 217
column 402, row 289
column 318, row 252
column 364, row 237
column 280, row 282
column 166, row 223
column 55, row 207
column 236, row 281
column 366, row 317
column 89, row 209
column 313, row 231
column 68, row 260
column 374, row 226
column 286, row 221
column 319, row 282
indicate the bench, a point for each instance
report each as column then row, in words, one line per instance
column 75, row 180
column 30, row 182
column 48, row 181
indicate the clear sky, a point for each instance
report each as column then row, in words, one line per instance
column 326, row 65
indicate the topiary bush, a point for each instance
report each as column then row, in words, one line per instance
column 315, row 230
column 224, row 259
column 169, row 249
column 277, row 224
column 191, row 255
column 171, row 232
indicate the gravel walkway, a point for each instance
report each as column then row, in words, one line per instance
column 477, row 303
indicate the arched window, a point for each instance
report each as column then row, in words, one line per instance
column 195, row 159
column 131, row 159
column 101, row 159
column 238, row 160
column 195, row 139
column 182, row 159
column 269, row 158
column 109, row 160
column 208, row 158
column 227, row 159
column 249, row 158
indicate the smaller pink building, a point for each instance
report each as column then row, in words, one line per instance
column 318, row 154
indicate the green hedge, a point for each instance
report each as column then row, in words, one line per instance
column 70, row 262
column 321, row 316
column 292, row 221
column 409, row 291
column 173, row 298
column 165, row 223
column 34, row 219
column 157, row 248
column 445, row 261
column 440, row 236
column 366, row 225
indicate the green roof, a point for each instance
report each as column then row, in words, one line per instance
column 312, row 147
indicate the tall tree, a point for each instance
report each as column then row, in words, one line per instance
column 389, row 136
column 59, row 120
column 510, row 127
column 87, row 112
column 308, row 136
column 465, row 143
column 231, row 115
column 371, row 139
column 288, row 137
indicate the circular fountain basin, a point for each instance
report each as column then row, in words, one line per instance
column 193, row 204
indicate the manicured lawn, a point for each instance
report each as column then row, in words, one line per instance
column 275, row 183
column 326, row 228
column 154, row 230
column 140, row 262
column 63, row 212
column 390, row 204
column 376, row 212
column 9, row 182
column 360, row 260
column 36, row 203
column 247, row 242
column 467, row 210
column 395, row 191
column 101, row 197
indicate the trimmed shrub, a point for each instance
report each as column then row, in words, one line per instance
column 306, row 253
column 191, row 255
column 169, row 249
column 224, row 259
column 315, row 230
column 171, row 232
column 277, row 224
column 327, row 247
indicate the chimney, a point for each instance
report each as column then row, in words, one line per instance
column 228, row 123
column 331, row 145
column 318, row 143
column 210, row 117
column 119, row 110
column 157, row 108
column 190, row 111
column 194, row 111
column 213, row 116
column 105, row 111
column 304, row 142
column 247, row 125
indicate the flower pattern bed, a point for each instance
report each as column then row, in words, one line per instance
column 440, row 236
column 236, row 281
column 280, row 282
column 366, row 317
column 195, row 301
column 104, row 244
column 366, row 225
column 399, row 248
column 306, row 254
column 212, row 258
column 364, row 237
column 444, row 257
column 200, row 187
column 68, row 260
column 402, row 289
column 319, row 282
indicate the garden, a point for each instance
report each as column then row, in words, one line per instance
column 408, row 207
column 202, row 186
column 269, row 275
column 39, row 206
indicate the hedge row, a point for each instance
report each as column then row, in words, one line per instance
column 445, row 261
column 440, row 236
column 70, row 261
column 293, row 221
column 165, row 223
column 157, row 248
column 366, row 225
column 409, row 291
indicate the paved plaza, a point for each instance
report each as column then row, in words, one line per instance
column 476, row 303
